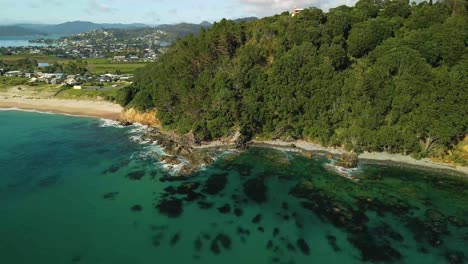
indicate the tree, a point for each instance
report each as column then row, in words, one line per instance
column 365, row 36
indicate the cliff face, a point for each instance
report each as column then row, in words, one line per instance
column 147, row 118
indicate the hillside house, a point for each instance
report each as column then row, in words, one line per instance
column 296, row 11
column 13, row 74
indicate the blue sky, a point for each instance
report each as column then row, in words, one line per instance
column 147, row 11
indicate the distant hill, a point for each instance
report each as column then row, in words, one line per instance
column 19, row 31
column 245, row 19
column 184, row 29
column 77, row 27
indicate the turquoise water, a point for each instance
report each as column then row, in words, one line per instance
column 75, row 191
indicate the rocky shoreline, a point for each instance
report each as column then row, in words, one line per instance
column 179, row 151
column 190, row 156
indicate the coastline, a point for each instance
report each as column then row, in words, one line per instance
column 108, row 110
column 367, row 157
column 97, row 109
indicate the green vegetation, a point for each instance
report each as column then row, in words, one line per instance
column 381, row 76
column 108, row 95
column 68, row 66
column 6, row 82
column 99, row 66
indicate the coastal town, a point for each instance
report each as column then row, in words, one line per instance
column 90, row 59
column 145, row 45
column 72, row 80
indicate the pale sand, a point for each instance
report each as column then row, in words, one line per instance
column 100, row 109
column 399, row 158
column 373, row 156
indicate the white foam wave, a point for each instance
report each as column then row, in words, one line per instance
column 110, row 123
column 345, row 172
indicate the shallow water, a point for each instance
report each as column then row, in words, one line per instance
column 73, row 191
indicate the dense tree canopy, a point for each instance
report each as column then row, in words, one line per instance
column 380, row 76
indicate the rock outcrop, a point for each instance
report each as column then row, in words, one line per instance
column 131, row 115
column 348, row 160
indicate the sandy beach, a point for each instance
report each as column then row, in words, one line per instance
column 369, row 156
column 100, row 109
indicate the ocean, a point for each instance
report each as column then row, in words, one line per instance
column 83, row 190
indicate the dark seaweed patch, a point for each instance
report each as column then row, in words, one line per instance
column 256, row 189
column 456, row 257
column 225, row 209
column 215, row 184
column 303, row 246
column 385, row 230
column 238, row 212
column 290, row 247
column 332, row 242
column 136, row 175
column 374, row 250
column 174, row 239
column 269, row 245
column 156, row 239
column 220, row 240
column 110, row 195
column 242, row 231
column 198, row 244
column 275, row 232
column 257, row 219
column 49, row 181
column 112, row 169
column 205, row 205
column 137, row 208
column 171, row 208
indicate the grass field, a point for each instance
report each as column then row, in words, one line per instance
column 108, row 95
column 96, row 66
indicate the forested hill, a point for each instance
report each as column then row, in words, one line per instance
column 18, row 31
column 381, row 77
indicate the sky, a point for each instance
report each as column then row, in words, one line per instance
column 151, row 12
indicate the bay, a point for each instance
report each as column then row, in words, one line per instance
column 23, row 41
column 75, row 190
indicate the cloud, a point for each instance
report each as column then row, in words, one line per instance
column 173, row 12
column 153, row 16
column 96, row 7
column 263, row 8
column 42, row 3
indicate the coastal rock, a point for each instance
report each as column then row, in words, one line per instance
column 125, row 123
column 131, row 115
column 186, row 171
column 171, row 160
column 348, row 160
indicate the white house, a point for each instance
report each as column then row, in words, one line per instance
column 13, row 74
column 296, row 11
